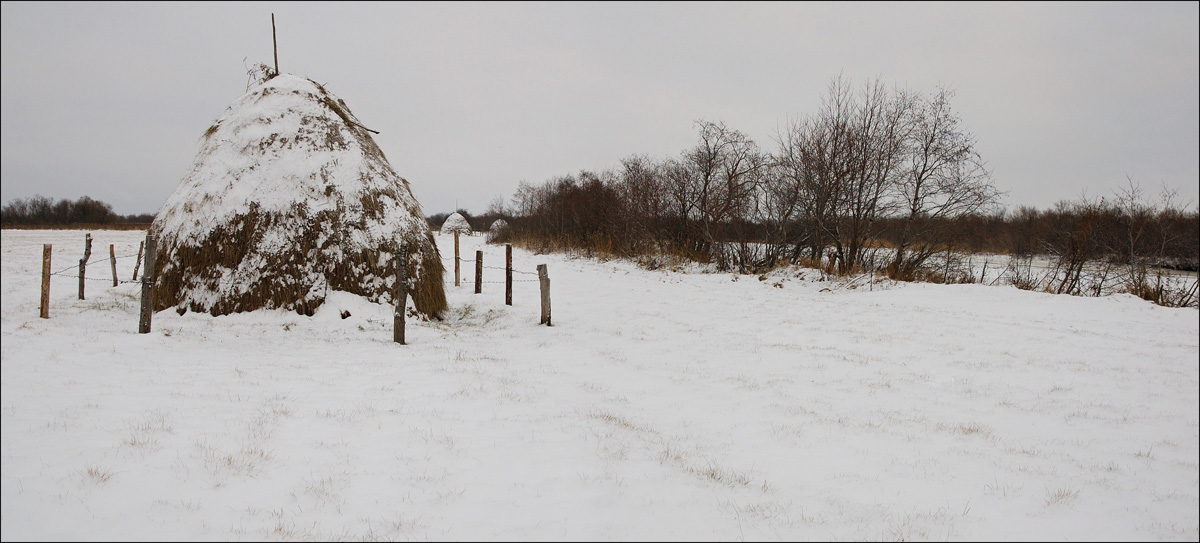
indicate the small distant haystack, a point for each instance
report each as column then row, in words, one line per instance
column 498, row 229
column 456, row 223
column 289, row 198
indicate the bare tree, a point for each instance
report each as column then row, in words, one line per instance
column 524, row 200
column 1147, row 241
column 942, row 179
column 779, row 206
column 680, row 208
column 642, row 188
column 877, row 135
column 723, row 170
column 1076, row 240
column 810, row 168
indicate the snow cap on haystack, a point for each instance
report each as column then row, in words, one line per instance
column 498, row 225
column 289, row 198
column 456, row 223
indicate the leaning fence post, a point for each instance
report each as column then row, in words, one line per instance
column 507, row 274
column 544, row 279
column 400, row 298
column 478, row 272
column 456, row 260
column 141, row 247
column 148, row 277
column 87, row 253
column 112, row 258
column 45, row 313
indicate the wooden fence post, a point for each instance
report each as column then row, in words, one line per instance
column 141, row 247
column 87, row 253
column 112, row 258
column 46, row 249
column 400, row 298
column 478, row 272
column 544, row 279
column 456, row 260
column 946, row 274
column 148, row 278
column 507, row 274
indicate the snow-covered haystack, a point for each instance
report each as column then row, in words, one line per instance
column 456, row 223
column 498, row 228
column 288, row 199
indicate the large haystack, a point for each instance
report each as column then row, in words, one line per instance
column 289, row 198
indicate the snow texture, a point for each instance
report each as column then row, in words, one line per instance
column 662, row 405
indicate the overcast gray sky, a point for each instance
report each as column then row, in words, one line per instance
column 109, row 100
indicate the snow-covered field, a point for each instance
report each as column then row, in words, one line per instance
column 661, row 405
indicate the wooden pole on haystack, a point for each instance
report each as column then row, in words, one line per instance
column 456, row 260
column 274, row 44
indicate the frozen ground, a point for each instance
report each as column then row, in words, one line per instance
column 661, row 405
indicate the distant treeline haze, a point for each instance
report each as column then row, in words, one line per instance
column 43, row 211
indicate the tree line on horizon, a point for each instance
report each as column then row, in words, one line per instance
column 39, row 210
column 878, row 180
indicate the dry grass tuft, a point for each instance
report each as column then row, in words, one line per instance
column 1061, row 496
column 967, row 428
column 618, row 420
column 97, row 475
column 707, row 470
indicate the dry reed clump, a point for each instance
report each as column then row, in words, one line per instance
column 1162, row 292
column 929, row 274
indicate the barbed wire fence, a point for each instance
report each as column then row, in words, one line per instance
column 542, row 277
column 401, row 294
column 146, row 249
column 63, row 273
column 81, row 271
column 467, row 260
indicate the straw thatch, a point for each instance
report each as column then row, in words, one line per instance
column 288, row 198
column 456, row 223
